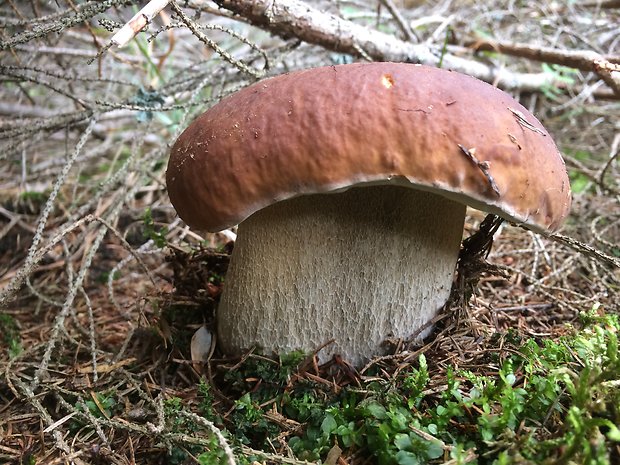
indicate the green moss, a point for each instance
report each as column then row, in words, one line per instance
column 550, row 401
column 9, row 335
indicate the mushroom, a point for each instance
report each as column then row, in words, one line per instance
column 349, row 184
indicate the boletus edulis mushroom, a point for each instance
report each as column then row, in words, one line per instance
column 349, row 184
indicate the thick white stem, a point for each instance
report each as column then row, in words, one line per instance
column 356, row 267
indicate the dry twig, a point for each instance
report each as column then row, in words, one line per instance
column 483, row 166
column 578, row 59
column 136, row 24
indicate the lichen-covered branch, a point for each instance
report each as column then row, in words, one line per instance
column 57, row 25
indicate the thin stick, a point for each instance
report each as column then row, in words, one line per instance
column 610, row 73
column 484, row 166
column 578, row 59
column 400, row 20
column 230, row 457
column 192, row 26
column 585, row 249
column 613, row 155
column 136, row 24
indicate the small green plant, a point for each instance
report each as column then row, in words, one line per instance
column 248, row 417
column 30, row 202
column 33, row 196
column 152, row 232
column 579, row 182
column 179, row 424
column 214, row 455
column 562, row 75
column 9, row 332
column 104, row 276
column 273, row 374
column 416, row 382
column 444, row 47
column 102, row 407
column 206, row 401
column 250, row 423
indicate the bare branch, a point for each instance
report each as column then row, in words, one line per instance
column 140, row 20
column 296, row 18
column 613, row 155
column 602, row 4
column 585, row 249
column 583, row 60
column 610, row 73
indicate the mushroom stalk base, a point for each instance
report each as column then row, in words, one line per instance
column 355, row 268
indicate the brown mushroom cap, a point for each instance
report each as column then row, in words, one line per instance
column 326, row 129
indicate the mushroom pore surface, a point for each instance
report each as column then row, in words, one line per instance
column 354, row 268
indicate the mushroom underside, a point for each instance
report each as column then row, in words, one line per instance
column 355, row 267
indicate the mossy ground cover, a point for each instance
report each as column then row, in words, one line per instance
column 527, row 401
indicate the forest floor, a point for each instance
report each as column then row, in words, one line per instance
column 102, row 286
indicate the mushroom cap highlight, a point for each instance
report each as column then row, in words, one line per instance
column 331, row 128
